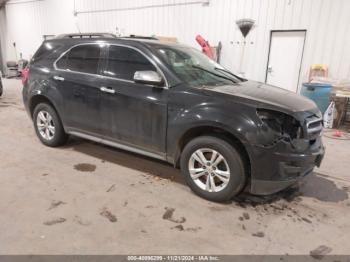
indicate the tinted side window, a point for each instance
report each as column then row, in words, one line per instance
column 82, row 58
column 123, row 62
column 47, row 52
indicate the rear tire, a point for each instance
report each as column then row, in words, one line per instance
column 48, row 126
column 218, row 176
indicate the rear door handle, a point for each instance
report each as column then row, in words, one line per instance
column 107, row 90
column 58, row 78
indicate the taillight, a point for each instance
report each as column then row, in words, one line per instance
column 25, row 75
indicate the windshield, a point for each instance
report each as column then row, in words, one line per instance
column 195, row 68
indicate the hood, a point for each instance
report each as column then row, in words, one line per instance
column 266, row 96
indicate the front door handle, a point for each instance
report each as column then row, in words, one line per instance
column 107, row 90
column 58, row 78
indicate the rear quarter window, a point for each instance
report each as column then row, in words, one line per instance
column 47, row 51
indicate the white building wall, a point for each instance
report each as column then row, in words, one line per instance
column 3, row 41
column 327, row 23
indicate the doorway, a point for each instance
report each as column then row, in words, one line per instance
column 285, row 58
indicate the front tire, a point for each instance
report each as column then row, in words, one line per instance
column 213, row 168
column 48, row 126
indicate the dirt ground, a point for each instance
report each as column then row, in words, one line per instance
column 86, row 198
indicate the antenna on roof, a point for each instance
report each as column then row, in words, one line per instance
column 118, row 32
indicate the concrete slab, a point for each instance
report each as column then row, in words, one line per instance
column 86, row 198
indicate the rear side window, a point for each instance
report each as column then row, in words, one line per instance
column 47, row 51
column 82, row 58
column 123, row 62
column 42, row 51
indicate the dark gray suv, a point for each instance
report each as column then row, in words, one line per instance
column 170, row 102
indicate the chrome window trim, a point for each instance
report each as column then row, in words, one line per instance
column 65, row 52
column 109, row 77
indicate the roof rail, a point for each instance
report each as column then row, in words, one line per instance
column 140, row 37
column 87, row 35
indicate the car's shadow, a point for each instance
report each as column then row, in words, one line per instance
column 150, row 166
column 315, row 186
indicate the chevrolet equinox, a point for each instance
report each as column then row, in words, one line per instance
column 170, row 102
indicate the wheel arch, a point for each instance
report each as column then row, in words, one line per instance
column 220, row 132
column 37, row 99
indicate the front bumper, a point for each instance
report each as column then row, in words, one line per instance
column 281, row 166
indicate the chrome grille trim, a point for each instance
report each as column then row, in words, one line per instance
column 314, row 125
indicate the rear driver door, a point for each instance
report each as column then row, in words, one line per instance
column 78, row 80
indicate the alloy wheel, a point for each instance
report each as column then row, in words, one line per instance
column 209, row 170
column 45, row 125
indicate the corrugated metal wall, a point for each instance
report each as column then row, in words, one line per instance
column 2, row 39
column 327, row 23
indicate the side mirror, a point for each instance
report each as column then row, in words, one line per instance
column 148, row 78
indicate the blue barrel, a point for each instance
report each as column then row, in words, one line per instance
column 319, row 93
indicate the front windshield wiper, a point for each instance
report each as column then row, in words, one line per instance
column 210, row 72
column 228, row 72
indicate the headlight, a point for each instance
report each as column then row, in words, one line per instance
column 280, row 123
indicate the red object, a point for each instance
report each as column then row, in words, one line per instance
column 205, row 46
column 25, row 75
column 338, row 133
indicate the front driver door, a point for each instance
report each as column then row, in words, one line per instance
column 133, row 114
